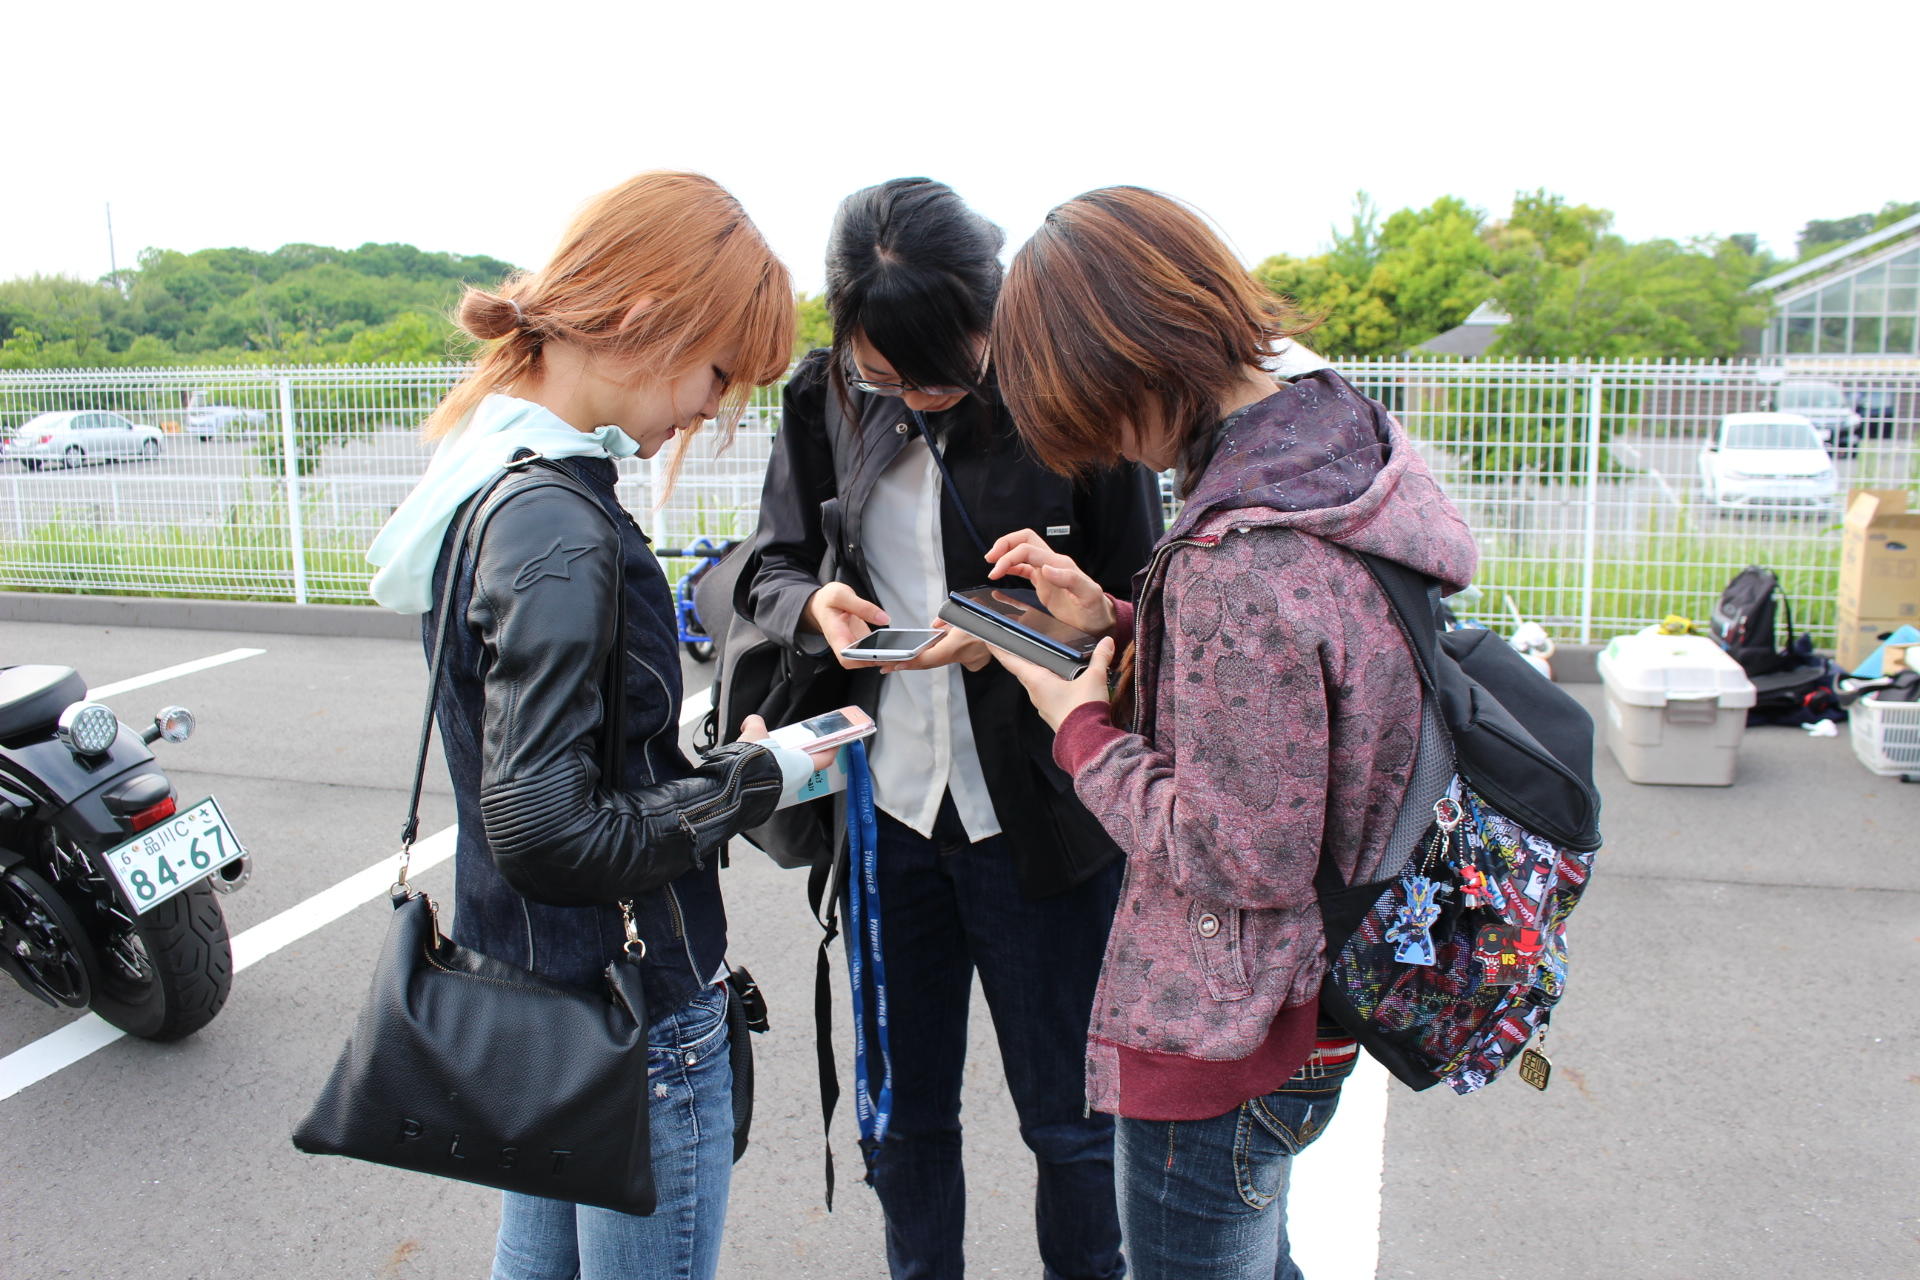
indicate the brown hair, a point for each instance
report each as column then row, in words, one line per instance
column 1125, row 305
column 677, row 238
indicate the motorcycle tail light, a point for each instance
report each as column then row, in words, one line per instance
column 88, row 728
column 152, row 814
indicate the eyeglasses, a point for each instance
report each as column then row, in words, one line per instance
column 868, row 385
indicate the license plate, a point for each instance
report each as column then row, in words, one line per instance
column 168, row 857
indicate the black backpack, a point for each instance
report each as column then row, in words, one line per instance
column 1791, row 685
column 1446, row 968
column 1744, row 622
column 755, row 675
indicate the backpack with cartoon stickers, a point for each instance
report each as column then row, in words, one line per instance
column 1445, row 969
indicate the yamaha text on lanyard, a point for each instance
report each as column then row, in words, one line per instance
column 866, row 962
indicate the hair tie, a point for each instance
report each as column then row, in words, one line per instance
column 519, row 316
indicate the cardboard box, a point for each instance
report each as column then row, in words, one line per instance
column 1856, row 638
column 1880, row 559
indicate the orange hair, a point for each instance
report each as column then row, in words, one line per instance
column 677, row 238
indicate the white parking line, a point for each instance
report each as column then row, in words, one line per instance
column 60, row 1049
column 1333, row 1197
column 170, row 673
column 693, row 708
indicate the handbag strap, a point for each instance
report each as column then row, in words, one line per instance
column 613, row 721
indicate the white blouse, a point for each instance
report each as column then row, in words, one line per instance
column 924, row 746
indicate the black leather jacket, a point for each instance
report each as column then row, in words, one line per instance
column 571, row 802
column 812, row 509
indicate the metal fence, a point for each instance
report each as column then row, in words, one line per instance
column 1583, row 481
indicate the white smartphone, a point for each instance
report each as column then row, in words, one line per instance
column 835, row 728
column 891, row 644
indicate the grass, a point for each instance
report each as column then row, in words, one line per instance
column 246, row 558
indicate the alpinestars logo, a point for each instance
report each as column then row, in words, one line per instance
column 556, row 563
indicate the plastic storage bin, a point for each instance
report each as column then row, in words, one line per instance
column 1886, row 736
column 1676, row 709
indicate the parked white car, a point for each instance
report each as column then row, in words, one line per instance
column 1768, row 461
column 210, row 420
column 75, row 438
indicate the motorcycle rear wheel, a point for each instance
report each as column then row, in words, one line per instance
column 168, row 975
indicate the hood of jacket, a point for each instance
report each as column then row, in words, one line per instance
column 407, row 547
column 1320, row 457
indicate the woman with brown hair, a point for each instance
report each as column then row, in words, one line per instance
column 662, row 308
column 1267, row 713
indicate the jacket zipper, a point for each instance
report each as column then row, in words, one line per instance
column 728, row 795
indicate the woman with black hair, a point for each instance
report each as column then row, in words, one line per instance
column 897, row 467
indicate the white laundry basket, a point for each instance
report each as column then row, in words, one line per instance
column 1886, row 736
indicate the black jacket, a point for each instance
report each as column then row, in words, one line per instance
column 824, row 468
column 553, row 833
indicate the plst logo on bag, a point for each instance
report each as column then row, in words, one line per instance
column 503, row 1157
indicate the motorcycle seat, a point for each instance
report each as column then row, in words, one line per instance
column 32, row 697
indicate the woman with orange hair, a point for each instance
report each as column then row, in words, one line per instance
column 559, row 708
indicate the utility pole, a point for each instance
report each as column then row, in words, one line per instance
column 113, row 260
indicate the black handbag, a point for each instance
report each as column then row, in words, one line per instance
column 469, row 1068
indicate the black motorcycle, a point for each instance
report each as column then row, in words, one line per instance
column 107, row 887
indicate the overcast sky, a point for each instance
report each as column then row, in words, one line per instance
column 479, row 128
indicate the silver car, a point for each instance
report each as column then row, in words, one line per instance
column 77, row 437
column 1826, row 406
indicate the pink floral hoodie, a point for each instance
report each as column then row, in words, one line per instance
column 1278, row 712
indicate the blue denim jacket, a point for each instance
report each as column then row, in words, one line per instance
column 683, row 923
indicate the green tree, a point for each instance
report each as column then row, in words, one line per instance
column 1386, row 287
column 413, row 338
column 1823, row 235
column 812, row 327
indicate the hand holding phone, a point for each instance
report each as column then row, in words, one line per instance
column 825, row 733
column 890, row 644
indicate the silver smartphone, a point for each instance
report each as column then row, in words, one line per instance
column 890, row 644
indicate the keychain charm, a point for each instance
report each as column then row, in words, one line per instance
column 1535, row 1069
column 1501, row 963
column 1415, row 918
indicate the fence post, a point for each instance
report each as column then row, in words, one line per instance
column 290, row 463
column 1593, row 506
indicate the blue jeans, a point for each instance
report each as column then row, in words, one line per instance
column 950, row 908
column 1209, row 1197
column 690, row 1079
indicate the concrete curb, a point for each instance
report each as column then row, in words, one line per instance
column 1572, row 663
column 364, row 622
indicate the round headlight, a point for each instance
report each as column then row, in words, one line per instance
column 88, row 728
column 175, row 724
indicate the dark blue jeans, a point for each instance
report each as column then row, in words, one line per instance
column 950, row 908
column 1209, row 1197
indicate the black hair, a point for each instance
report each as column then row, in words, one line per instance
column 916, row 272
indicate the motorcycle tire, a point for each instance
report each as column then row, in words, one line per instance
column 167, row 976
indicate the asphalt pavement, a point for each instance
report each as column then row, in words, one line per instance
column 1735, row 1067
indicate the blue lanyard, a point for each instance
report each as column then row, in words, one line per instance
column 946, row 477
column 866, row 962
